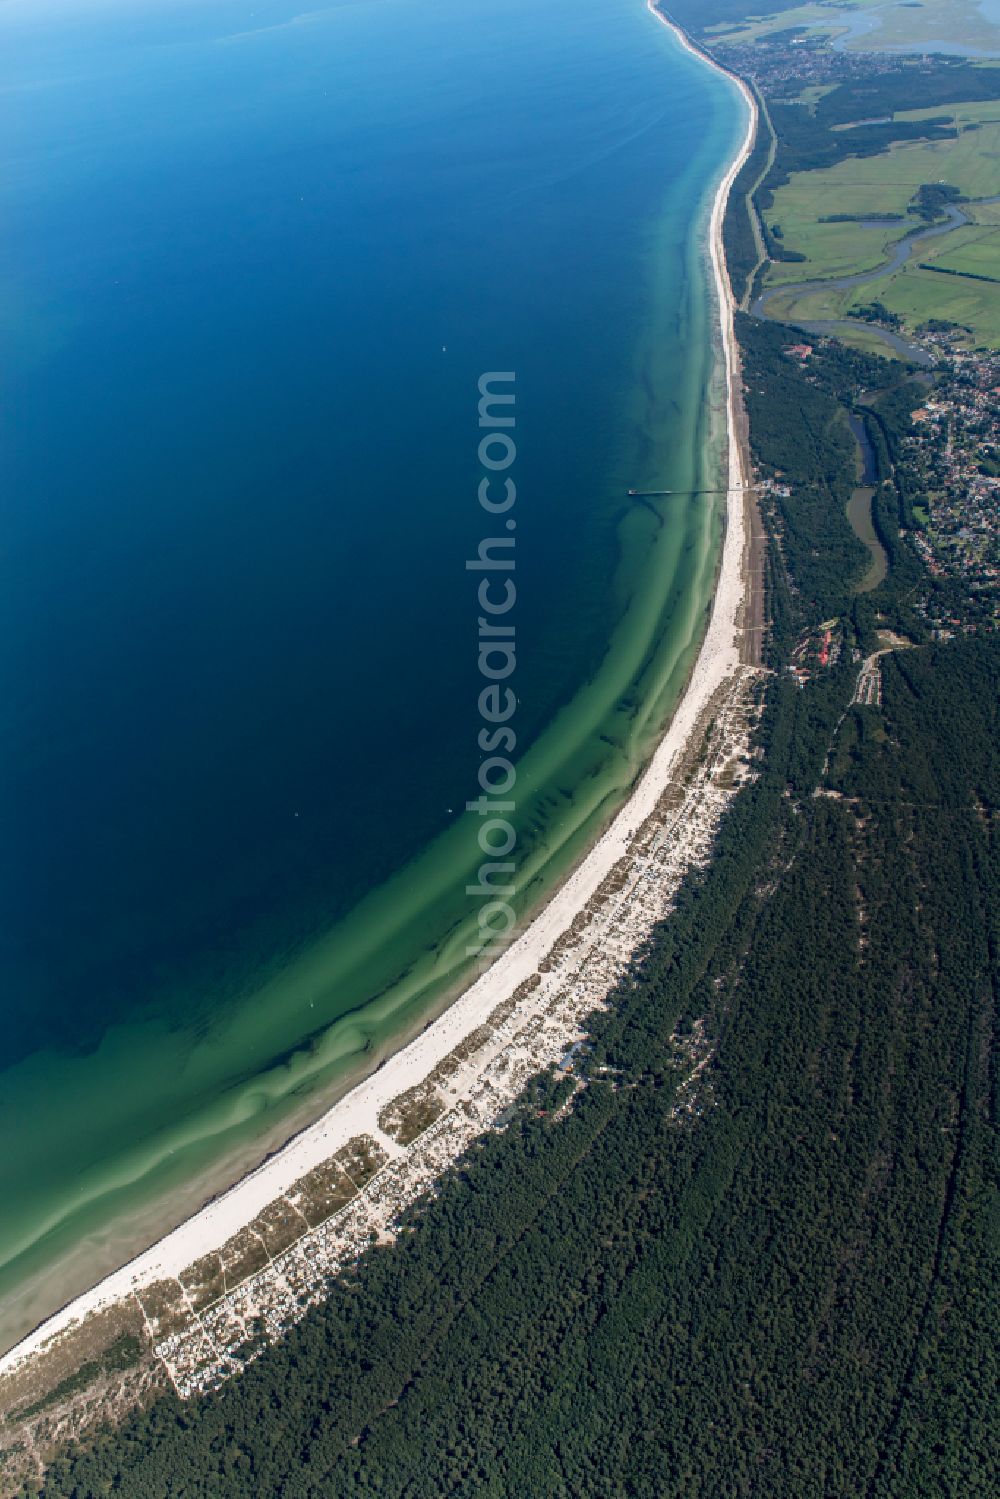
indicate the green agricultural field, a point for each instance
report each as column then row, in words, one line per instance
column 815, row 18
column 972, row 251
column 965, row 116
column 807, row 307
column 886, row 184
column 811, row 96
column 831, row 249
column 881, row 23
column 882, row 184
column 916, row 295
column 866, row 342
column 957, row 22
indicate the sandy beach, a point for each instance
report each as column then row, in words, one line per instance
column 358, row 1112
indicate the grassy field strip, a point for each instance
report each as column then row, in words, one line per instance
column 876, row 185
column 972, row 250
column 914, row 294
column 816, row 18
column 859, row 337
column 919, row 295
column 958, row 22
column 831, row 249
column 886, row 184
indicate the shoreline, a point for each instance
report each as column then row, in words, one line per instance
column 357, row 1111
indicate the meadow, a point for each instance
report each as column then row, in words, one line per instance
column 886, row 185
column 914, row 294
column 984, row 213
column 970, row 251
column 956, row 24
column 865, row 342
column 918, row 295
column 882, row 185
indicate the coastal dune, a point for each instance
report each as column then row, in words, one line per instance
column 358, row 1113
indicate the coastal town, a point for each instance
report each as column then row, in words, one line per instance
column 951, row 463
column 775, row 61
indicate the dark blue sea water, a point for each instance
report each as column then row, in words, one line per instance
column 253, row 261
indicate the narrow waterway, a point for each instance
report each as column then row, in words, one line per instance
column 859, row 508
column 955, row 218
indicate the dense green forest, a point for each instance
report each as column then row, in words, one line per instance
column 801, row 435
column 786, row 1288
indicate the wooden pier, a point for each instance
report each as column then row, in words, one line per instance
column 651, row 494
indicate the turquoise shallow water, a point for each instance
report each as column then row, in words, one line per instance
column 252, row 263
